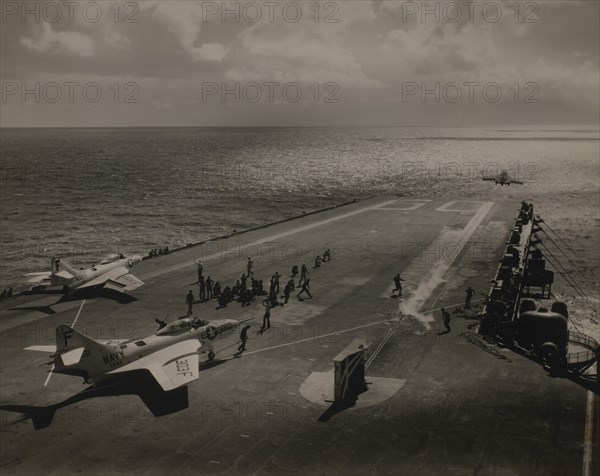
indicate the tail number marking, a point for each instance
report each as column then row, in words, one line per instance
column 183, row 368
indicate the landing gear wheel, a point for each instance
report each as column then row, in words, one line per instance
column 211, row 355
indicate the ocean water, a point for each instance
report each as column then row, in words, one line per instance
column 85, row 193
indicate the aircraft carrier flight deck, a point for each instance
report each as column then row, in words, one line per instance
column 436, row 402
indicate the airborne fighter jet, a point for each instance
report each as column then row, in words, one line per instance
column 503, row 179
column 111, row 273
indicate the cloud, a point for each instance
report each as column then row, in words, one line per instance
column 184, row 19
column 70, row 43
column 306, row 50
column 116, row 40
column 209, row 52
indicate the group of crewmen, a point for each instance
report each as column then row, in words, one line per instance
column 159, row 252
column 6, row 293
column 247, row 288
column 446, row 315
column 247, row 294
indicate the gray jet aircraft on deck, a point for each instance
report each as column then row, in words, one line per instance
column 171, row 355
column 112, row 273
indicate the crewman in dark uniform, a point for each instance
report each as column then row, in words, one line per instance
column 305, row 289
column 289, row 287
column 303, row 275
column 397, row 281
column 446, row 320
column 243, row 339
column 267, row 316
column 202, row 286
column 209, row 288
column 189, row 300
column 470, row 292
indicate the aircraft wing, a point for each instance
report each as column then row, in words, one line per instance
column 172, row 367
column 42, row 348
column 38, row 277
column 118, row 279
column 488, row 178
column 517, row 182
column 127, row 282
column 46, row 275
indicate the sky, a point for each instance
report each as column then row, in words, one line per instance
column 305, row 63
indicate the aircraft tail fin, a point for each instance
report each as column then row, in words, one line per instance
column 71, row 345
column 59, row 264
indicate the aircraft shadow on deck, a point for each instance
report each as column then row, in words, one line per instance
column 140, row 383
column 43, row 309
column 121, row 298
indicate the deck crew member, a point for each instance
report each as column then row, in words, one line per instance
column 202, row 285
column 200, row 267
column 189, row 300
column 397, row 281
column 470, row 291
column 267, row 316
column 303, row 275
column 305, row 289
column 446, row 320
column 243, row 339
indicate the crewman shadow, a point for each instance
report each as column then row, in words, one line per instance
column 209, row 364
column 158, row 401
column 447, row 331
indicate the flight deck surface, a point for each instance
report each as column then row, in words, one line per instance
column 436, row 404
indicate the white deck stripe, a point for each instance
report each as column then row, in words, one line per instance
column 445, row 264
column 319, row 337
column 467, row 232
column 588, row 434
